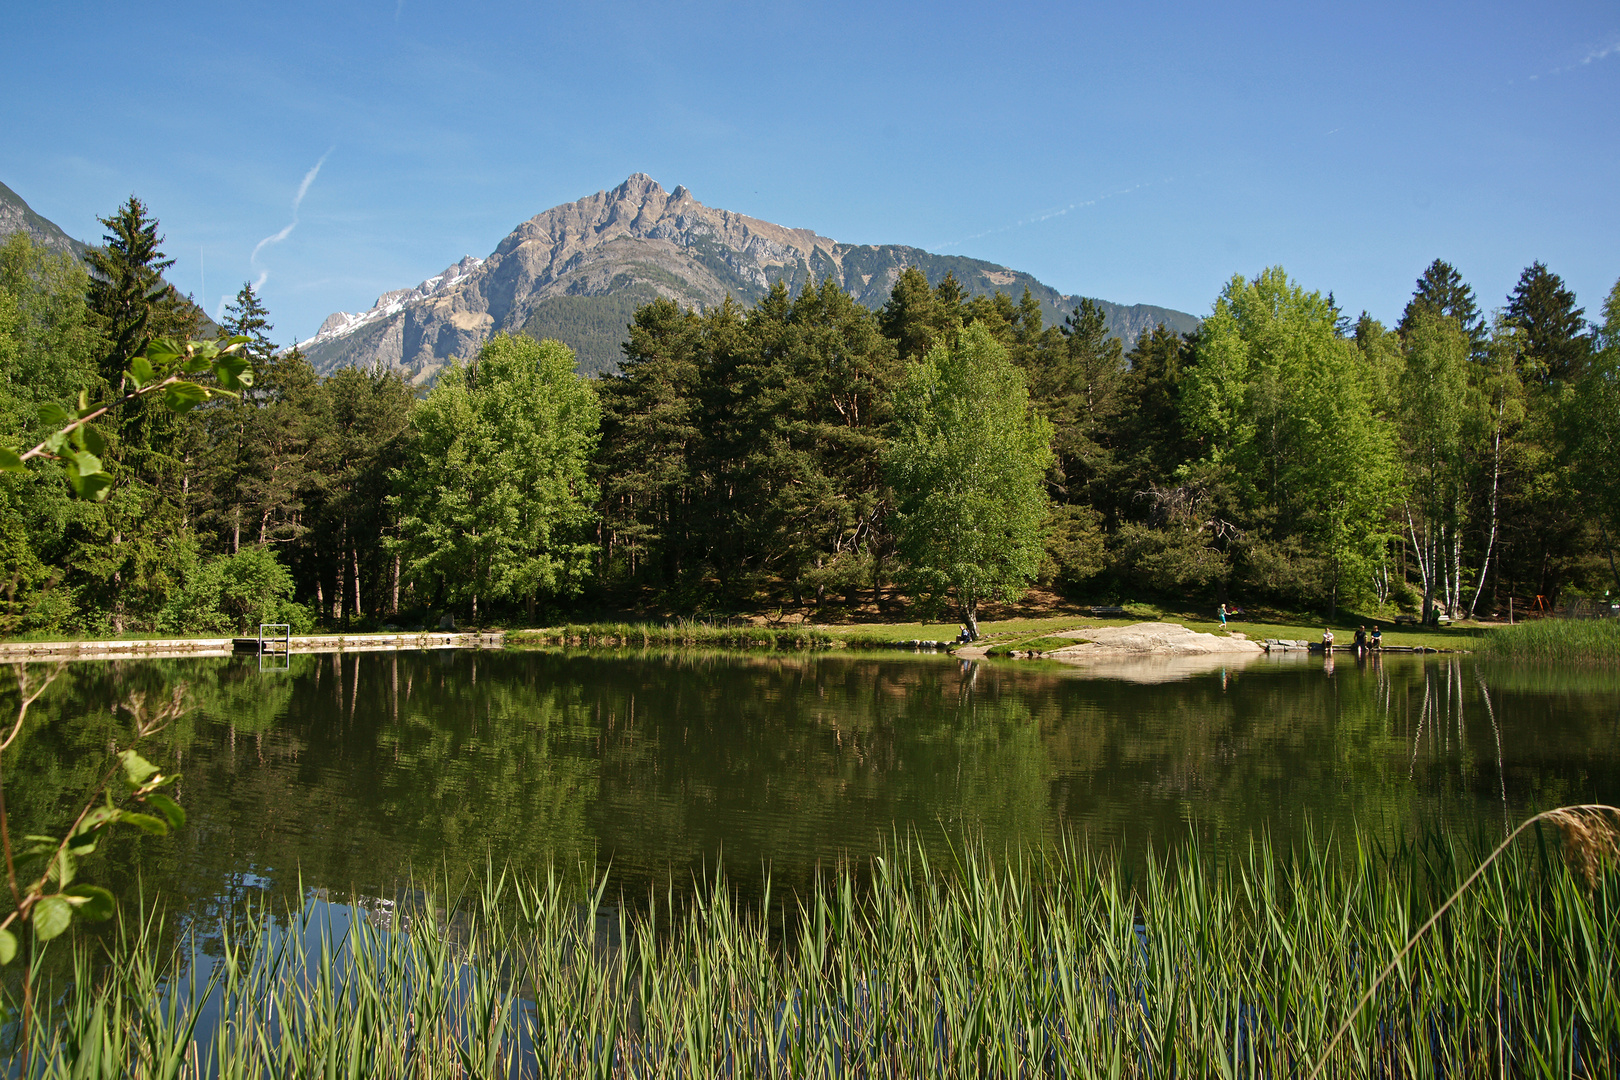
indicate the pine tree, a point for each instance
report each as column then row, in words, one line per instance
column 910, row 317
column 1077, row 387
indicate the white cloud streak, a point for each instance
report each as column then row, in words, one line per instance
column 278, row 237
column 1593, row 55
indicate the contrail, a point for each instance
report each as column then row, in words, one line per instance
column 1047, row 215
column 298, row 200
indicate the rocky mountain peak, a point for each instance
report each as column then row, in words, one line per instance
column 577, row 272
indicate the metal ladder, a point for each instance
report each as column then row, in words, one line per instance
column 277, row 644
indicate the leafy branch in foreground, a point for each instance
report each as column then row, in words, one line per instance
column 164, row 370
column 50, row 902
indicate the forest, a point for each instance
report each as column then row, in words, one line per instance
column 810, row 454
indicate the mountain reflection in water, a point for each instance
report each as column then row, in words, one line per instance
column 351, row 773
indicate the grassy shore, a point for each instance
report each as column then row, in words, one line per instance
column 1000, row 634
column 1564, row 641
column 1064, row 962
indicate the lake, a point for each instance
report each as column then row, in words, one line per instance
column 352, row 772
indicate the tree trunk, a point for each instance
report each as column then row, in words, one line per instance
column 1424, row 564
column 1490, row 539
column 395, row 609
column 320, row 597
column 970, row 618
column 236, row 530
column 1604, row 532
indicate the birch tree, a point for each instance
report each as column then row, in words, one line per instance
column 967, row 468
column 1434, row 395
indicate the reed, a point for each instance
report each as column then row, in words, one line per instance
column 1569, row 641
column 1060, row 962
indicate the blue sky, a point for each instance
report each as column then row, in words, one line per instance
column 1140, row 153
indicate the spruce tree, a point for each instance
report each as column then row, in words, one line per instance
column 1442, row 290
column 127, row 291
column 1555, row 348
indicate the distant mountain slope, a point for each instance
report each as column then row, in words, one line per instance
column 17, row 216
column 577, row 273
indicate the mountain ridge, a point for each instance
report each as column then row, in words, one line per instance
column 17, row 216
column 577, row 272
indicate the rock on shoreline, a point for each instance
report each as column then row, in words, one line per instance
column 1149, row 639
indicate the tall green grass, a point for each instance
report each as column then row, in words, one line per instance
column 680, row 634
column 1572, row 641
column 1056, row 963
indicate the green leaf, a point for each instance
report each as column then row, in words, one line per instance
column 51, row 916
column 163, row 351
column 11, row 461
column 140, row 372
column 63, row 869
column 233, row 372
column 92, row 440
column 184, row 396
column 8, row 946
column 145, row 822
column 137, row 770
column 53, row 415
column 92, row 901
column 93, row 486
column 85, row 461
column 84, row 402
column 168, row 808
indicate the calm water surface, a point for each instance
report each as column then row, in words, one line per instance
column 352, row 772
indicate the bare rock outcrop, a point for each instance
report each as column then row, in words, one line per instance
column 1150, row 639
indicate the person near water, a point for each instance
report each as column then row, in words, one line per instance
column 1361, row 640
column 1377, row 637
column 1223, row 616
column 1327, row 641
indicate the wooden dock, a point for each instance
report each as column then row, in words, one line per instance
column 136, row 649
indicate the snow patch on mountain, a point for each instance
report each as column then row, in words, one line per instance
column 389, row 304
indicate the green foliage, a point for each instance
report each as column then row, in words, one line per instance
column 967, row 466
column 1595, row 421
column 1442, row 292
column 1556, row 348
column 1282, row 406
column 233, row 594
column 494, row 495
column 1076, row 547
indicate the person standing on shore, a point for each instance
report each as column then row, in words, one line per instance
column 1223, row 616
column 1327, row 642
